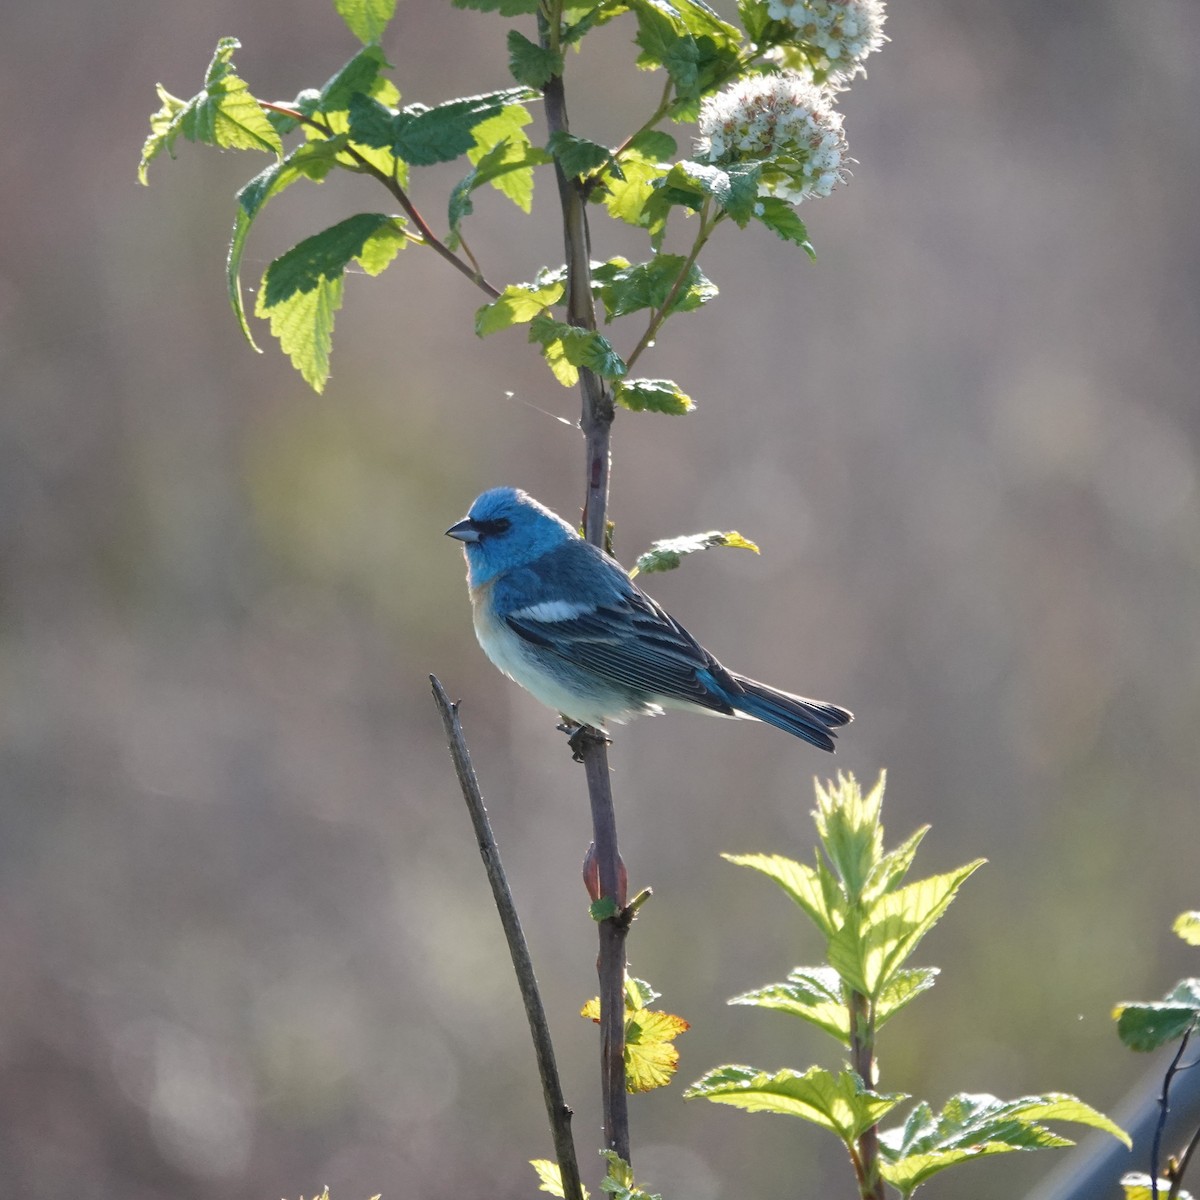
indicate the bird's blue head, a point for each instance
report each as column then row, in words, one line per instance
column 505, row 528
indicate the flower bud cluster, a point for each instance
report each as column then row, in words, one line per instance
column 786, row 123
column 844, row 31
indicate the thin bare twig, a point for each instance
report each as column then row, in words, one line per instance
column 557, row 1109
column 1163, row 1109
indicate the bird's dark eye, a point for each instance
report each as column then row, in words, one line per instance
column 490, row 528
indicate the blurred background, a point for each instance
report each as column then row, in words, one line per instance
column 247, row 943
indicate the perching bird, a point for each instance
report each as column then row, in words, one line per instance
column 568, row 624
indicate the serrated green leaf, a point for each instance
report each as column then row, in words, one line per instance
column 619, row 1182
column 627, row 197
column 359, row 76
column 302, row 289
column 423, row 136
column 566, row 348
column 652, row 395
column 838, row 1103
column 653, row 144
column 603, row 909
column 851, row 833
column 817, row 995
column 519, row 303
column 1138, row 1186
column 780, row 217
column 531, row 64
column 667, row 554
column 1147, row 1026
column 814, row 994
column 871, row 945
column 506, row 8
column 625, row 288
column 799, row 881
column 1187, row 926
column 313, row 161
column 516, row 179
column 550, row 1178
column 503, row 159
column 972, row 1126
column 577, row 156
column 224, row 114
column 366, row 19
column 902, row 988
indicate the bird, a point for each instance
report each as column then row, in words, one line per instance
column 564, row 620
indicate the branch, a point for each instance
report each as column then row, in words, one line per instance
column 556, row 1107
column 596, row 423
column 862, row 1053
column 430, row 238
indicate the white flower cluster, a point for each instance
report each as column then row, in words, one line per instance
column 784, row 121
column 845, row 30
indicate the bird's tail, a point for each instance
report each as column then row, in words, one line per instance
column 812, row 720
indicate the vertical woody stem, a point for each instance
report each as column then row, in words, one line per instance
column 596, row 423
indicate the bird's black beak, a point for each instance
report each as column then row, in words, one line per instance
column 465, row 531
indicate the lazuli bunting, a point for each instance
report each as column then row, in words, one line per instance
column 568, row 624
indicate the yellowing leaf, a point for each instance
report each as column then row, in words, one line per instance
column 650, row 1055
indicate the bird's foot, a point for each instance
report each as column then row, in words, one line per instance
column 580, row 737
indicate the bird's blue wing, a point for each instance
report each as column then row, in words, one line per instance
column 601, row 624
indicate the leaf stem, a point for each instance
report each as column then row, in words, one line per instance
column 660, row 314
column 428, row 237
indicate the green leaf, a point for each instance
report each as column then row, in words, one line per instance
column 652, row 395
column 799, row 881
column 313, row 161
column 618, row 1180
column 1138, row 1186
column 972, row 1126
column 367, row 19
column 871, row 945
column 423, row 136
column 515, row 178
column 688, row 184
column 550, row 1178
column 903, row 987
column 817, row 995
column 780, row 217
column 1148, row 1026
column 531, row 64
column 625, row 289
column 577, row 156
column 519, row 303
column 653, row 143
column 566, row 348
column 302, row 289
column 667, row 554
column 603, row 909
column 224, row 114
column 851, row 833
column 627, row 196
column 506, row 8
column 1187, row 925
column 360, row 76
column 814, row 994
column 500, row 160
column 838, row 1103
